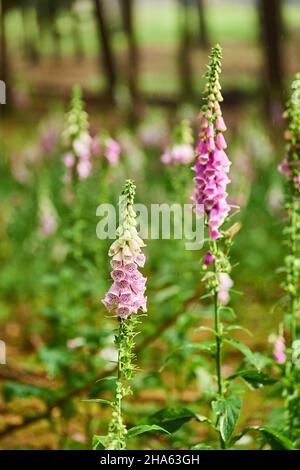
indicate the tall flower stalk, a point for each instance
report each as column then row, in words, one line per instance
column 125, row 298
column 290, row 167
column 77, row 140
column 212, row 168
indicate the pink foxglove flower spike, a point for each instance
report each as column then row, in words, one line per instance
column 127, row 293
column 212, row 167
column 125, row 298
column 77, row 140
column 212, row 164
column 180, row 151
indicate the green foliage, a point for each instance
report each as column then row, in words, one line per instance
column 171, row 419
column 227, row 411
column 256, row 379
column 144, row 428
column 272, row 437
column 13, row 390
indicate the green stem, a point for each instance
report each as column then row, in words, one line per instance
column 293, row 302
column 218, row 330
column 119, row 386
column 218, row 344
column 117, row 430
column 293, row 295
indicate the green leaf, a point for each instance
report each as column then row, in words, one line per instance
column 172, row 419
column 13, row 390
column 143, row 428
column 108, row 378
column 243, row 349
column 227, row 313
column 206, row 347
column 237, row 327
column 227, row 411
column 202, row 447
column 205, row 328
column 203, row 419
column 99, row 400
column 255, row 378
column 100, row 442
column 275, row 439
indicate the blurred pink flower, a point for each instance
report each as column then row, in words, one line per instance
column 225, row 284
column 69, row 160
column 178, row 154
column 112, row 151
column 49, row 139
column 279, row 350
column 84, row 168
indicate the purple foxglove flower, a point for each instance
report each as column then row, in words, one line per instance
column 208, row 258
column 212, row 164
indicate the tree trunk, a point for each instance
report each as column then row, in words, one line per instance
column 31, row 42
column 271, row 33
column 127, row 16
column 184, row 53
column 3, row 45
column 107, row 53
column 203, row 35
column 77, row 38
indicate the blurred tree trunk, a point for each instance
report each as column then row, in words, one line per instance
column 30, row 44
column 3, row 45
column 53, row 9
column 203, row 35
column 185, row 69
column 127, row 7
column 107, row 53
column 77, row 38
column 270, row 13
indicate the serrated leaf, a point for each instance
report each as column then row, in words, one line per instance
column 172, row 419
column 227, row 411
column 143, row 428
